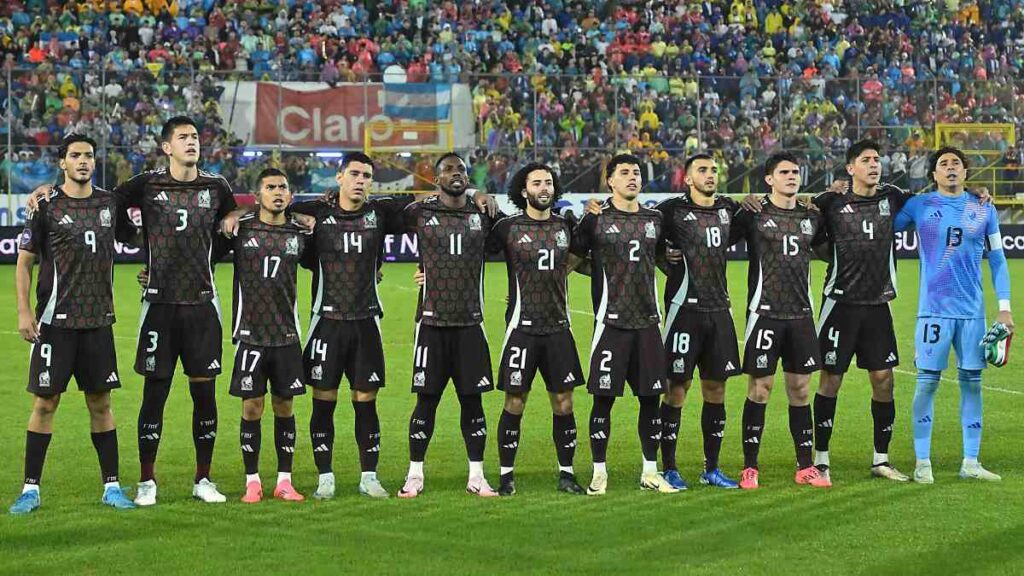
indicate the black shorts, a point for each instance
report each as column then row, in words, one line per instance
column 169, row 331
column 618, row 356
column 704, row 339
column 255, row 365
column 769, row 339
column 350, row 348
column 88, row 355
column 554, row 355
column 458, row 353
column 848, row 329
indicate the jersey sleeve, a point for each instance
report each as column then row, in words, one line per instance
column 824, row 200
column 307, row 208
column 408, row 218
column 124, row 229
column 583, row 236
column 665, row 209
column 227, row 199
column 820, row 230
column 129, row 194
column 33, row 236
column 391, row 210
column 498, row 236
column 997, row 259
column 907, row 215
column 741, row 223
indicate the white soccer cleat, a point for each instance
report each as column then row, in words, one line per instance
column 656, row 482
column 145, row 493
column 598, row 484
column 888, row 472
column 413, row 487
column 478, row 485
column 923, row 473
column 976, row 472
column 325, row 489
column 369, row 487
column 207, row 492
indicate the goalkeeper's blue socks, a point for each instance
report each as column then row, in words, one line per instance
column 924, row 411
column 970, row 411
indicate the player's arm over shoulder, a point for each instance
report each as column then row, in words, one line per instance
column 129, row 193
column 906, row 218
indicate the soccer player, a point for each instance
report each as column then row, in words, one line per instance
column 72, row 235
column 345, row 337
column 538, row 336
column 622, row 241
column 855, row 315
column 699, row 328
column 267, row 251
column 780, row 321
column 953, row 228
column 450, row 342
column 181, row 207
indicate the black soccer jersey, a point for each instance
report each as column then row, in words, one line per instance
column 702, row 234
column 451, row 245
column 179, row 224
column 266, row 258
column 537, row 257
column 345, row 254
column 74, row 240
column 779, row 245
column 622, row 247
column 860, row 230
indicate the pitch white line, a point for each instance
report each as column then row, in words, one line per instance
column 944, row 379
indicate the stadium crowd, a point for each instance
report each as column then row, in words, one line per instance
column 571, row 80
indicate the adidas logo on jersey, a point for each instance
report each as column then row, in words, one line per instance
column 689, row 217
column 432, row 222
column 296, row 384
column 848, row 209
column 66, row 220
column 329, row 220
column 770, row 224
column 613, row 229
column 730, row 366
column 936, row 214
column 112, row 378
column 569, row 378
column 525, row 240
column 891, row 357
column 161, row 197
column 657, row 385
column 809, row 363
column 252, row 243
column 374, row 377
column 215, row 365
column 484, row 382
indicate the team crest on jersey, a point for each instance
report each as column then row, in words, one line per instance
column 679, row 365
column 650, row 231
column 317, row 373
column 883, row 207
column 723, row 215
column 561, row 239
column 247, row 383
column 291, row 247
column 762, row 361
column 474, row 222
column 605, row 382
column 150, row 363
column 830, row 358
column 204, row 198
column 419, row 379
column 370, row 220
column 105, row 218
column 44, row 379
column 516, row 378
column 806, row 227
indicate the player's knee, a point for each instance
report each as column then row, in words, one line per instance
column 282, row 407
column 332, row 395
column 830, row 384
column 561, row 404
column 760, row 389
column 515, row 403
column 252, row 408
column 713, row 391
column 881, row 384
column 358, row 395
column 676, row 394
column 98, row 404
column 45, row 406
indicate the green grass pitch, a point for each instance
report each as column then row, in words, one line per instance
column 861, row 525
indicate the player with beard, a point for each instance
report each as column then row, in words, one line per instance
column 450, row 343
column 538, row 337
column 622, row 242
column 699, row 329
column 71, row 333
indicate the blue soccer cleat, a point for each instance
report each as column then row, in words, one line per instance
column 717, row 479
column 26, row 503
column 116, row 498
column 675, row 480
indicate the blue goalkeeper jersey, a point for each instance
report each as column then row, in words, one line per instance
column 953, row 233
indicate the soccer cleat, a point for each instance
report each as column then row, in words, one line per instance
column 885, row 470
column 253, row 492
column 325, row 489
column 748, row 479
column 825, row 472
column 811, row 476
column 480, row 487
column 675, row 480
column 598, row 484
column 371, row 487
column 923, row 474
column 145, row 493
column 507, row 485
column 567, row 483
column 976, row 472
column 413, row 487
column 116, row 498
column 718, row 479
column 207, row 492
column 656, row 482
column 26, row 503
column 285, row 491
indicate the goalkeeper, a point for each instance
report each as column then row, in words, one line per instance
column 953, row 228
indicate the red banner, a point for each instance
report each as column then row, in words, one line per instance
column 331, row 118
